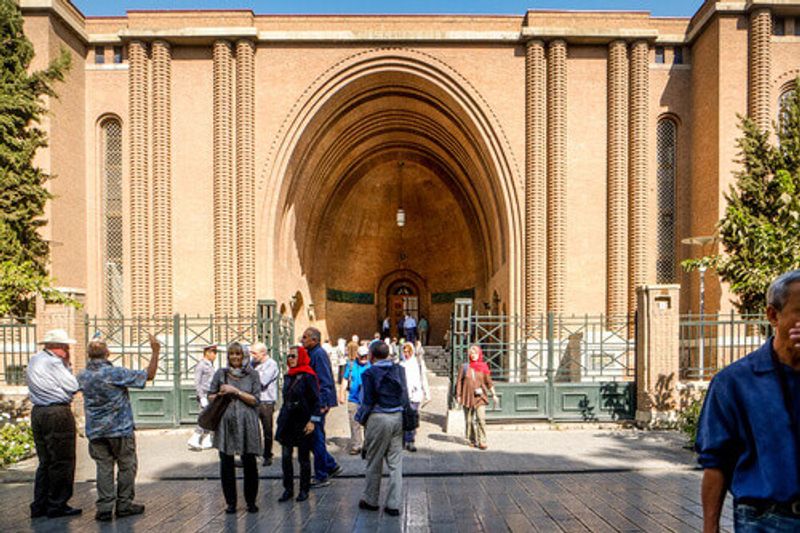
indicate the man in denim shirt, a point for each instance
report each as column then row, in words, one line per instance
column 109, row 426
column 748, row 439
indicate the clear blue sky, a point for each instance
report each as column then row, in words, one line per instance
column 517, row 7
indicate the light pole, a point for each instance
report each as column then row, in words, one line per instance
column 702, row 242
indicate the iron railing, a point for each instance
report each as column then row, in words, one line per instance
column 18, row 345
column 710, row 342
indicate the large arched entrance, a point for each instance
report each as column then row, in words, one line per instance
column 393, row 134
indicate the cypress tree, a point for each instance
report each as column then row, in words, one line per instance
column 24, row 254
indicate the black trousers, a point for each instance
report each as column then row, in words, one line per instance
column 265, row 415
column 304, row 458
column 227, row 472
column 54, row 436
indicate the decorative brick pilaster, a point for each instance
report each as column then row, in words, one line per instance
column 162, row 179
column 245, row 177
column 535, row 179
column 617, row 203
column 138, row 83
column 638, row 170
column 556, row 173
column 224, row 221
column 760, row 67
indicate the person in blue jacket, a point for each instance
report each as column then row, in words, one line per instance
column 352, row 385
column 325, row 466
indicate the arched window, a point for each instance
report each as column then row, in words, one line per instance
column 666, row 137
column 111, row 172
column 782, row 101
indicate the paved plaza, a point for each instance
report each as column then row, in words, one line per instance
column 532, row 478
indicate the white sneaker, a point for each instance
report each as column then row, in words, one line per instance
column 207, row 442
column 194, row 442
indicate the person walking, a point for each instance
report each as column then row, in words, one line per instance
column 341, row 359
column 51, row 386
column 299, row 414
column 386, row 327
column 423, row 328
column 748, row 438
column 418, row 389
column 238, row 432
column 410, row 327
column 472, row 392
column 352, row 391
column 385, row 396
column 203, row 374
column 325, row 466
column 268, row 374
column 110, row 428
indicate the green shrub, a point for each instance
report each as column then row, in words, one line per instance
column 689, row 417
column 16, row 442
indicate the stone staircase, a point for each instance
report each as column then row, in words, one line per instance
column 437, row 360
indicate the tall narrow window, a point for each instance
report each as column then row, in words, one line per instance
column 659, row 54
column 111, row 150
column 99, row 55
column 666, row 137
column 778, row 26
column 678, row 57
column 782, row 101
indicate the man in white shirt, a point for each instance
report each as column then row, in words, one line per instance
column 268, row 374
column 203, row 374
column 51, row 386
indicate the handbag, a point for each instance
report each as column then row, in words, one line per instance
column 210, row 417
column 410, row 418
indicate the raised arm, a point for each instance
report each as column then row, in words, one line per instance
column 155, row 350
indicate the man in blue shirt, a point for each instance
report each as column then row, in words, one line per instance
column 748, row 440
column 352, row 377
column 109, row 426
column 325, row 465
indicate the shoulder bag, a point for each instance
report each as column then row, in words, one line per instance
column 210, row 417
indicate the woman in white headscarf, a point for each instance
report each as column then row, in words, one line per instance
column 418, row 389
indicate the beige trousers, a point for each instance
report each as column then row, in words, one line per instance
column 476, row 424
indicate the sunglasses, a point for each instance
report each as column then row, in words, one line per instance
column 291, row 356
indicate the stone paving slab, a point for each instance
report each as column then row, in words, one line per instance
column 652, row 501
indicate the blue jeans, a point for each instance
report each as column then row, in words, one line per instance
column 409, row 436
column 748, row 519
column 324, row 463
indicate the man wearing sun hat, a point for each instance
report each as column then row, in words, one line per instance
column 51, row 386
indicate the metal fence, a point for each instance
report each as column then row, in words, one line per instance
column 18, row 345
column 710, row 342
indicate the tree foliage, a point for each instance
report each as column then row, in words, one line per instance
column 24, row 254
column 760, row 231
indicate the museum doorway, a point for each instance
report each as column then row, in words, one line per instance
column 394, row 198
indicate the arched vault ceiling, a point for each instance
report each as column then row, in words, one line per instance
column 407, row 117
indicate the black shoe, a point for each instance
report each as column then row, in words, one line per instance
column 411, row 447
column 64, row 511
column 286, row 496
column 238, row 463
column 303, row 496
column 104, row 516
column 267, row 461
column 367, row 507
column 131, row 510
column 391, row 512
column 38, row 514
column 252, row 508
column 336, row 471
column 231, row 509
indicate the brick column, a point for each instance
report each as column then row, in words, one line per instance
column 224, row 221
column 657, row 353
column 759, row 98
column 535, row 179
column 617, row 201
column 556, row 173
column 138, row 76
column 245, row 177
column 638, row 169
column 162, row 179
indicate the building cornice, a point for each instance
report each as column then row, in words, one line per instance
column 68, row 13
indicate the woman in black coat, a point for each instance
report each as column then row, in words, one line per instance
column 299, row 413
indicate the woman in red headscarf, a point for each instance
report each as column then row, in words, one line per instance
column 472, row 392
column 299, row 413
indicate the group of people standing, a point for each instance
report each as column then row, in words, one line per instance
column 408, row 328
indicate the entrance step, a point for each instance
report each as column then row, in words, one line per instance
column 437, row 359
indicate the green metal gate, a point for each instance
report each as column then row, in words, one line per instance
column 170, row 399
column 550, row 367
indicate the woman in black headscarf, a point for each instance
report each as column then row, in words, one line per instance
column 238, row 432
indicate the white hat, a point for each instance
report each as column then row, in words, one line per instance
column 57, row 336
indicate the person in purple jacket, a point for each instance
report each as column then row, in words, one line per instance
column 325, row 466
